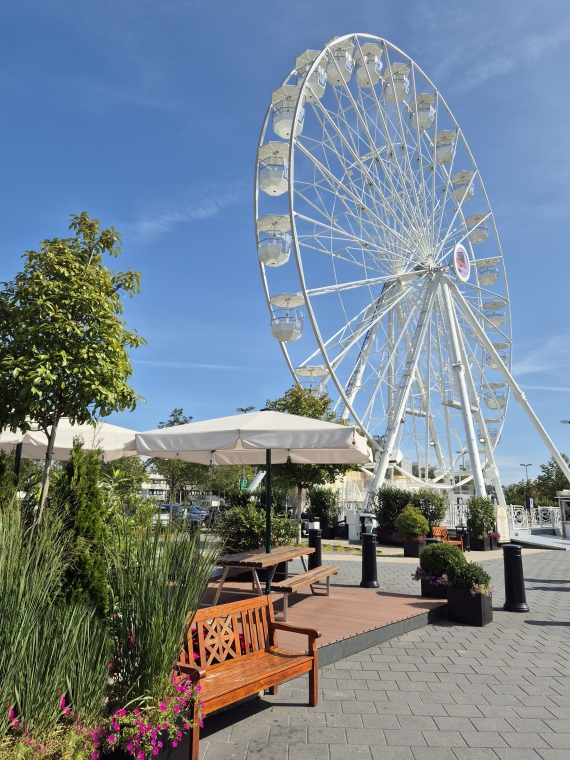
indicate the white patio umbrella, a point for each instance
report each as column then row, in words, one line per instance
column 265, row 436
column 111, row 439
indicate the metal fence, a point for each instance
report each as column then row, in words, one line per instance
column 520, row 518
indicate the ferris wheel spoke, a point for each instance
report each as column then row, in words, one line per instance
column 367, row 242
column 335, row 182
column 376, row 186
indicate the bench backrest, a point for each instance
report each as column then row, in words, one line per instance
column 440, row 532
column 228, row 631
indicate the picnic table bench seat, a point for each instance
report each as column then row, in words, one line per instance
column 237, row 656
column 302, row 580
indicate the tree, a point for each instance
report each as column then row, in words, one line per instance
column 63, row 344
column 302, row 401
column 80, row 496
column 324, row 504
column 177, row 473
column 516, row 493
column 550, row 480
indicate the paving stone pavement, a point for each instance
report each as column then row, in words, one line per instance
column 443, row 692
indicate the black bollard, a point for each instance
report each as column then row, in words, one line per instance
column 369, row 568
column 515, row 595
column 316, row 558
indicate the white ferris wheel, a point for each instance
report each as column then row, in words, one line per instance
column 381, row 262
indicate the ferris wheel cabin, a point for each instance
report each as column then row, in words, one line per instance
column 274, row 240
column 463, row 188
column 368, row 65
column 396, row 82
column 287, row 321
column 340, row 62
column 480, row 231
column 284, row 101
column 445, row 146
column 423, row 112
column 317, row 81
column 488, row 273
column 274, row 168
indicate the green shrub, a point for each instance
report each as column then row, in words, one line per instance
column 411, row 523
column 243, row 529
column 324, row 504
column 480, row 515
column 469, row 575
column 388, row 502
column 438, row 559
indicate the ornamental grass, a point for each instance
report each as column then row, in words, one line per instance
column 75, row 684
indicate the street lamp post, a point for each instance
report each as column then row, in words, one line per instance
column 245, row 411
column 526, row 466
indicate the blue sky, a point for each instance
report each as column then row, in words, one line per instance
column 146, row 114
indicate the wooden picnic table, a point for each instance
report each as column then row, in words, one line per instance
column 260, row 560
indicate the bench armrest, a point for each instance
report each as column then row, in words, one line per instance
column 312, row 633
column 282, row 626
column 196, row 674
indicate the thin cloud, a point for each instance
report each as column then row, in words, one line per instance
column 546, row 388
column 162, row 217
column 552, row 356
column 193, row 365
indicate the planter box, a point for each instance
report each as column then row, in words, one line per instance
column 413, row 548
column 462, row 607
column 328, row 532
column 387, row 537
column 181, row 752
column 435, row 592
column 483, row 544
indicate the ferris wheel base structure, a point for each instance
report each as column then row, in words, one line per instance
column 381, row 261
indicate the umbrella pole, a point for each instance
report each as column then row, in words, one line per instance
column 268, row 515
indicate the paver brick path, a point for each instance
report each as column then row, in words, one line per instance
column 444, row 692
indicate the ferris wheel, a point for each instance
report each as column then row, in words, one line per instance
column 381, row 262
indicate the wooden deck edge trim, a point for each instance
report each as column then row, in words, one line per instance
column 331, row 653
column 338, row 650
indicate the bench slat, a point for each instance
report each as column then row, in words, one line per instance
column 304, row 579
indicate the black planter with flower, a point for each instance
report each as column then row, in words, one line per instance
column 483, row 543
column 469, row 598
column 433, row 590
column 436, row 562
column 413, row 528
column 413, row 548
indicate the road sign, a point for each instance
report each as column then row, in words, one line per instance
column 243, row 484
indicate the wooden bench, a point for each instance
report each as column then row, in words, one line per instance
column 297, row 582
column 441, row 532
column 238, row 656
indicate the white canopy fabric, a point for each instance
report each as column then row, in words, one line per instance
column 111, row 439
column 244, row 439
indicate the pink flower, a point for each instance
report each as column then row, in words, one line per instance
column 155, row 751
column 176, row 708
column 137, row 712
column 111, row 738
column 175, row 744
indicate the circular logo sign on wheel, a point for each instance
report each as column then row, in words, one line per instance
column 461, row 263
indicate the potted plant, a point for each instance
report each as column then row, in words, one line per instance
column 481, row 523
column 436, row 562
column 388, row 502
column 324, row 506
column 413, row 527
column 470, row 596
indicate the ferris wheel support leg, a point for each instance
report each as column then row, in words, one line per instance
column 492, row 467
column 464, row 400
column 408, row 379
column 518, row 393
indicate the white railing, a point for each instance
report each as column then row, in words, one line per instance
column 548, row 518
column 520, row 518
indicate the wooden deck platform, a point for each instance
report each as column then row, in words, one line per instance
column 350, row 619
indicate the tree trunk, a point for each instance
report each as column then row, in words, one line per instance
column 47, row 468
column 298, row 492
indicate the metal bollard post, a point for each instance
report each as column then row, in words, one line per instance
column 515, row 594
column 369, row 567
column 316, row 558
